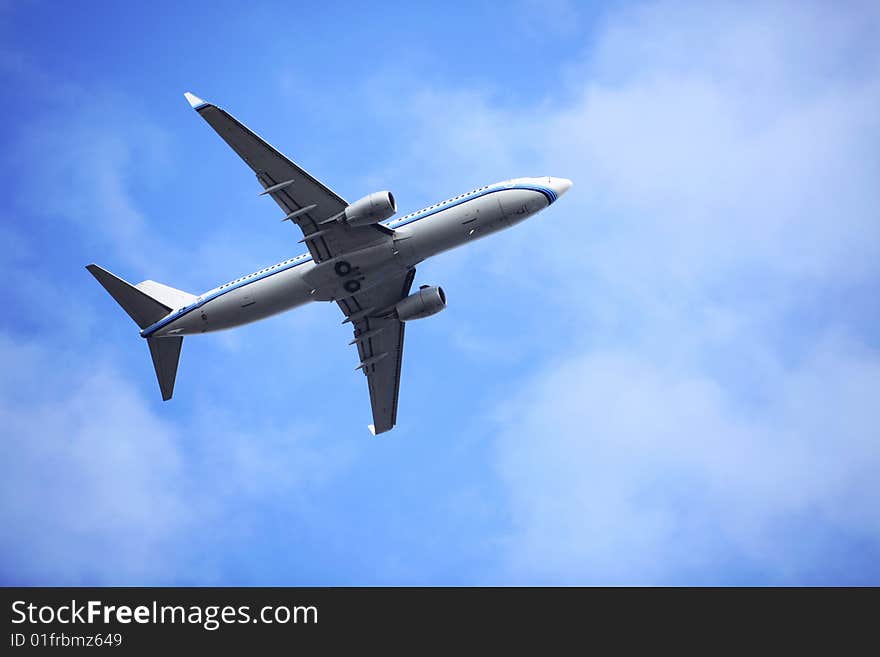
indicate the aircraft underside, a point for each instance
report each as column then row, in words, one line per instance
column 358, row 257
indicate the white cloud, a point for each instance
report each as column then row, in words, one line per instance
column 99, row 485
column 98, row 488
column 725, row 162
column 700, row 140
column 725, row 165
column 624, row 470
column 106, row 500
column 94, row 153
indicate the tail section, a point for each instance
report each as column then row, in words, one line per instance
column 146, row 303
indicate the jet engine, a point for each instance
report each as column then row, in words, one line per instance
column 371, row 209
column 429, row 300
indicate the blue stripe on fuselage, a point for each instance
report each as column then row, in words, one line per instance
column 421, row 214
column 395, row 223
column 247, row 280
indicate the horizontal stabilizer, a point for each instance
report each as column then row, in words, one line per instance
column 166, row 355
column 167, row 295
column 141, row 307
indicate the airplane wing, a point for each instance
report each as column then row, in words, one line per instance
column 305, row 200
column 379, row 341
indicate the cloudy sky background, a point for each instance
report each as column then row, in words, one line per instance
column 669, row 377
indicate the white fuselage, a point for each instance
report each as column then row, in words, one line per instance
column 417, row 236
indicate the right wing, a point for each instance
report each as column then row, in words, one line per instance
column 379, row 339
column 305, row 200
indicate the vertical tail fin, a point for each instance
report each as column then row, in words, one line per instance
column 145, row 309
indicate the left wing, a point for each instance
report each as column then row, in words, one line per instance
column 379, row 339
column 312, row 206
column 305, row 200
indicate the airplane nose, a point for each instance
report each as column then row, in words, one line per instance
column 559, row 185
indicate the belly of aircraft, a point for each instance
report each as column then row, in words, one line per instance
column 243, row 305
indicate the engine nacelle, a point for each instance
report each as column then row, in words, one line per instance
column 429, row 300
column 371, row 209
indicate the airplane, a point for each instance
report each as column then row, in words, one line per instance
column 357, row 256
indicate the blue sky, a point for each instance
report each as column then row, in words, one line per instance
column 669, row 377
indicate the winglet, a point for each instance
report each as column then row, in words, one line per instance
column 372, row 429
column 194, row 101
